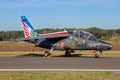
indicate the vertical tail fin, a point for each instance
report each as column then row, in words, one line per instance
column 27, row 28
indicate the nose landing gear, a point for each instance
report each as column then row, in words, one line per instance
column 98, row 53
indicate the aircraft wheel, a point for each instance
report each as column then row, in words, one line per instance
column 67, row 53
column 97, row 54
column 47, row 53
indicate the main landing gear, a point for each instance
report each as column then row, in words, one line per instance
column 48, row 53
column 98, row 53
column 68, row 52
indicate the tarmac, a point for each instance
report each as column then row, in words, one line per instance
column 33, row 61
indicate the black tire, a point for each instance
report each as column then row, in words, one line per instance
column 96, row 56
column 98, row 53
column 46, row 53
column 67, row 53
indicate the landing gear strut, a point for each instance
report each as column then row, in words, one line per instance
column 48, row 53
column 98, row 53
column 67, row 53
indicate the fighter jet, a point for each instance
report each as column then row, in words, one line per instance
column 64, row 40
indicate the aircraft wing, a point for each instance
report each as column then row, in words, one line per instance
column 42, row 38
column 48, row 41
column 44, row 41
column 56, row 36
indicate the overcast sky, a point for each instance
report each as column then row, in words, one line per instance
column 104, row 14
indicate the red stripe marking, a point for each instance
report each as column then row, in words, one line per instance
column 26, row 32
column 53, row 34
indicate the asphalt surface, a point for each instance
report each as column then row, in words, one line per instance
column 33, row 61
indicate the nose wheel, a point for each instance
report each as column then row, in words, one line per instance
column 98, row 53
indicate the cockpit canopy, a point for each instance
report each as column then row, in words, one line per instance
column 83, row 35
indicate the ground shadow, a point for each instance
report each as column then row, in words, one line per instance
column 31, row 55
column 72, row 55
column 42, row 55
column 80, row 56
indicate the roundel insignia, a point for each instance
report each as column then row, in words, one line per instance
column 62, row 44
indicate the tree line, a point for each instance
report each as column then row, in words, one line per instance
column 104, row 34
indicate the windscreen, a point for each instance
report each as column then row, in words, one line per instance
column 83, row 35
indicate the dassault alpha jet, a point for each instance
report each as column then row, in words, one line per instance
column 64, row 40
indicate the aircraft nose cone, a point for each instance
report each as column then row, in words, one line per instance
column 106, row 46
column 110, row 47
